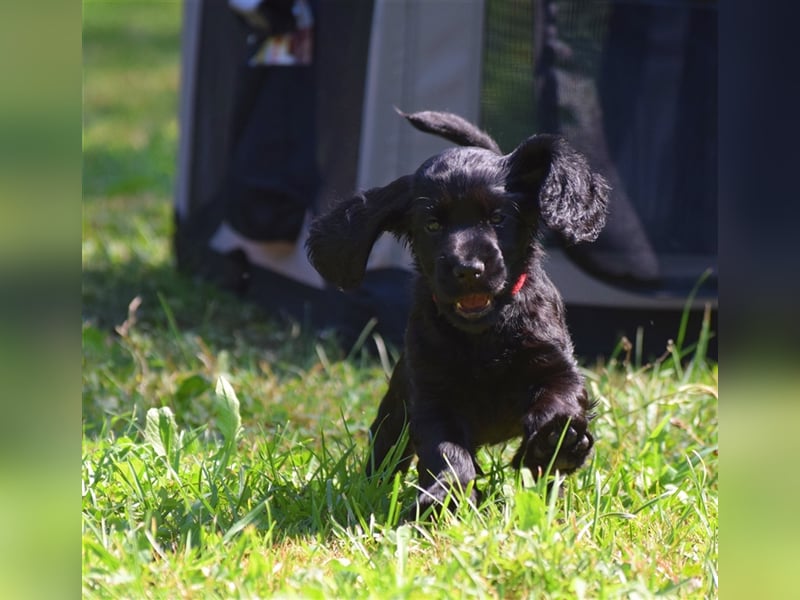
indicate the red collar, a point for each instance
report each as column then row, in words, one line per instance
column 518, row 285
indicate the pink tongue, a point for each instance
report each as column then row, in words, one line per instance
column 473, row 301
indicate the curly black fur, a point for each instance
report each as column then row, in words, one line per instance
column 487, row 353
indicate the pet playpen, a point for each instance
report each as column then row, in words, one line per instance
column 267, row 140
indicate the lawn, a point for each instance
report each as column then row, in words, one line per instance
column 222, row 450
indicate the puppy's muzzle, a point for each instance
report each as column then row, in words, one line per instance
column 473, row 300
column 468, row 271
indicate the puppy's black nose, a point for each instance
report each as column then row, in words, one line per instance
column 468, row 270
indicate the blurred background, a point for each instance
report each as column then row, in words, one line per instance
column 286, row 106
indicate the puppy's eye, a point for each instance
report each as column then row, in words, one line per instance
column 433, row 225
column 496, row 218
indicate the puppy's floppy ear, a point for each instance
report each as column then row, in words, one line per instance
column 340, row 241
column 573, row 200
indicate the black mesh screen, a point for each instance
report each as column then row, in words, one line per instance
column 507, row 99
column 632, row 84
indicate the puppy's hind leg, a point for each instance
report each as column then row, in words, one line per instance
column 390, row 443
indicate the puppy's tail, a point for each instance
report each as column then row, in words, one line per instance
column 451, row 127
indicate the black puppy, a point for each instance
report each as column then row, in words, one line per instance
column 487, row 353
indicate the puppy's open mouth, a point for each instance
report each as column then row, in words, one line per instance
column 474, row 306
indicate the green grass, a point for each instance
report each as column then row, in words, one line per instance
column 195, row 489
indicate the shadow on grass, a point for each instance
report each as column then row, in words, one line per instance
column 196, row 305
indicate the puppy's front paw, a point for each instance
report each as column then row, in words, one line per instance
column 576, row 445
column 434, row 500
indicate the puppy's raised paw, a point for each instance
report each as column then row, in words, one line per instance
column 568, row 439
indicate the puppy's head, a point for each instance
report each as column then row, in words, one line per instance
column 470, row 236
column 470, row 217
